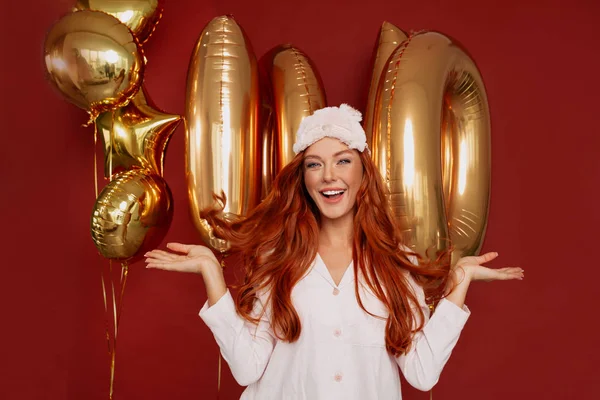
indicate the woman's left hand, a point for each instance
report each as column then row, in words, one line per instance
column 470, row 268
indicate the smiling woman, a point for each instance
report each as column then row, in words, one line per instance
column 332, row 175
column 332, row 303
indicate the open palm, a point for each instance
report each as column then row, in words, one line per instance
column 471, row 266
column 191, row 258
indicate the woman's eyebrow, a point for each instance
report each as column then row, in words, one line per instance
column 339, row 153
column 313, row 156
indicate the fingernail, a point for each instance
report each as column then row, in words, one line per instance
column 496, row 254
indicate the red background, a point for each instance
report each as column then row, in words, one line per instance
column 530, row 339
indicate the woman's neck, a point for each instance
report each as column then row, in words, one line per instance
column 337, row 233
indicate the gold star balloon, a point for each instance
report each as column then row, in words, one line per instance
column 135, row 136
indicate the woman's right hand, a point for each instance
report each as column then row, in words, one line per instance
column 193, row 258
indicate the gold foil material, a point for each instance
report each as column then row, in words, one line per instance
column 432, row 144
column 93, row 60
column 135, row 136
column 389, row 38
column 131, row 215
column 297, row 92
column 223, row 144
column 141, row 16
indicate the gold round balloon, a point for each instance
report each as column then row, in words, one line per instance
column 297, row 92
column 131, row 215
column 135, row 135
column 432, row 144
column 223, row 143
column 390, row 37
column 93, row 60
column 141, row 16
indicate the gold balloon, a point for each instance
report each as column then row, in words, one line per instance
column 141, row 16
column 135, row 136
column 223, row 144
column 267, row 130
column 390, row 36
column 131, row 215
column 432, row 144
column 93, row 60
column 297, row 92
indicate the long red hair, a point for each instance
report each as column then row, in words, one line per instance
column 279, row 239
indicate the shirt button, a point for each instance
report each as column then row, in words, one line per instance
column 338, row 377
column 336, row 291
column 337, row 333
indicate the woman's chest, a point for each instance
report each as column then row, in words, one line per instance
column 334, row 314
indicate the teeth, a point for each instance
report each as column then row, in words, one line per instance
column 333, row 192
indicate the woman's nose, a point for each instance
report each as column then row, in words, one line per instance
column 328, row 173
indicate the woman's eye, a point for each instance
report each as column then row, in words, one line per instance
column 312, row 165
column 344, row 161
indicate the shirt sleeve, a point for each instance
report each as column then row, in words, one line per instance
column 245, row 346
column 432, row 346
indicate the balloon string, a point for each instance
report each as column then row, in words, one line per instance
column 93, row 115
column 112, row 373
column 114, row 302
column 106, row 323
column 110, row 147
column 117, row 309
column 96, row 167
column 219, row 377
column 124, row 273
column 114, row 348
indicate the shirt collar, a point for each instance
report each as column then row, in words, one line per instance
column 320, row 268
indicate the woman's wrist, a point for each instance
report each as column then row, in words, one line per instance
column 210, row 269
column 461, row 279
column 462, row 274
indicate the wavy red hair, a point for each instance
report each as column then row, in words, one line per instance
column 279, row 256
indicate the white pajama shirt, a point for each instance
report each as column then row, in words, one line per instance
column 341, row 352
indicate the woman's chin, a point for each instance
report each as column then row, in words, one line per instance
column 332, row 213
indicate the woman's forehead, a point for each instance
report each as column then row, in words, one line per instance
column 326, row 147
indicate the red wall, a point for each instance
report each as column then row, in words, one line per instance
column 525, row 340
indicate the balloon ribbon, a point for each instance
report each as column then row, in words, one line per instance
column 117, row 308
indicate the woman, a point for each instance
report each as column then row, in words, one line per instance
column 332, row 303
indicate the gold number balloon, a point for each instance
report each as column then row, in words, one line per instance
column 93, row 60
column 390, row 36
column 135, row 136
column 431, row 143
column 267, row 130
column 131, row 215
column 141, row 16
column 223, row 145
column 297, row 91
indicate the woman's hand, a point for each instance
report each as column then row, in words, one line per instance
column 470, row 268
column 195, row 259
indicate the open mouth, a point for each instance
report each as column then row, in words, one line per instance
column 333, row 194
